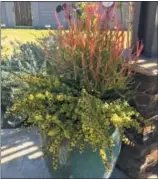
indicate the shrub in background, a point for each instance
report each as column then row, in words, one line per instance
column 25, row 61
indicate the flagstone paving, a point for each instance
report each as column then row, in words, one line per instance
column 22, row 156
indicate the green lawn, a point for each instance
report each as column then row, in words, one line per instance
column 21, row 35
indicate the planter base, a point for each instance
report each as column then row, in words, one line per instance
column 85, row 165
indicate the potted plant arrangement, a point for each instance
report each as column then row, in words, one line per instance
column 80, row 104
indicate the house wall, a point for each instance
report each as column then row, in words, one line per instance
column 154, row 45
column 43, row 14
column 147, row 31
column 7, row 14
column 46, row 14
column 3, row 13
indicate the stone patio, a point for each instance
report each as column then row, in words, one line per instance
column 22, row 157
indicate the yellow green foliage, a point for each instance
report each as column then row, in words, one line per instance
column 81, row 119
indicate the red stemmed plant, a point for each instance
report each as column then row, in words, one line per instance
column 93, row 46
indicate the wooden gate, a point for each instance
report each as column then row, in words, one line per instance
column 23, row 15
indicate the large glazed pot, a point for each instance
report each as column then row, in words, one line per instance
column 85, row 165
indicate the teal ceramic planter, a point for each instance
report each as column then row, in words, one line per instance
column 85, row 165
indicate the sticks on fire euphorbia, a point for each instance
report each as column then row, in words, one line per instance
column 95, row 41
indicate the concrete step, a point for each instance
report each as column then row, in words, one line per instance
column 147, row 66
column 146, row 76
column 145, row 83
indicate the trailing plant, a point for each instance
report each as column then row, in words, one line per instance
column 67, row 114
column 81, row 99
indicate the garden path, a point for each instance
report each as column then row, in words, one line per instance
column 22, row 157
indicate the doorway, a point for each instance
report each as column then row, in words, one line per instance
column 23, row 15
